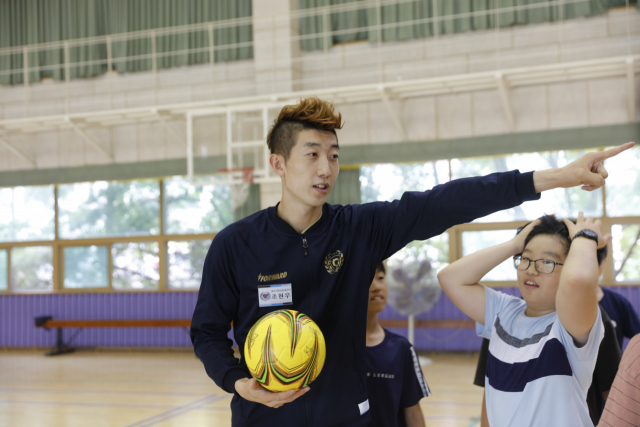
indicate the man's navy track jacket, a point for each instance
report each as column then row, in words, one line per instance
column 261, row 248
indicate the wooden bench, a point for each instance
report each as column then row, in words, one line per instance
column 60, row 347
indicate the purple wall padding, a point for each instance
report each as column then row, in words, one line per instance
column 17, row 314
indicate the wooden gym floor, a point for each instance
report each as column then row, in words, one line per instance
column 161, row 389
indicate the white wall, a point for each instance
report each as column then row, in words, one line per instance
column 542, row 107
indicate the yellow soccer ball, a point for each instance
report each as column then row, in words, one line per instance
column 285, row 350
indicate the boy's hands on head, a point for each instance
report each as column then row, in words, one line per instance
column 588, row 171
column 588, row 223
column 519, row 239
column 460, row 279
column 251, row 390
column 576, row 298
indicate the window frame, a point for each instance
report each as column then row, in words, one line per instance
column 58, row 245
column 454, row 243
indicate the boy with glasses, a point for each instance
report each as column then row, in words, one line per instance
column 604, row 373
column 543, row 347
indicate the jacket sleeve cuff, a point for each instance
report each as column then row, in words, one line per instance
column 230, row 378
column 525, row 189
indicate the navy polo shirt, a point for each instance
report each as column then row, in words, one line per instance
column 624, row 317
column 394, row 380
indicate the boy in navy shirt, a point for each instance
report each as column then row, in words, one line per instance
column 395, row 383
column 623, row 315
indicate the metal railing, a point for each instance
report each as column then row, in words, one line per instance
column 104, row 57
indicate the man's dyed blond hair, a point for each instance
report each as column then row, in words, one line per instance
column 309, row 113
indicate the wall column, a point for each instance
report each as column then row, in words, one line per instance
column 276, row 55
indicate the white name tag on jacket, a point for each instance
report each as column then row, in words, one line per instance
column 364, row 406
column 271, row 295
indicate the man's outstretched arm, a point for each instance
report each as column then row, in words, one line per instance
column 588, row 171
column 388, row 227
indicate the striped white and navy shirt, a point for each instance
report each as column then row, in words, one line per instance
column 536, row 376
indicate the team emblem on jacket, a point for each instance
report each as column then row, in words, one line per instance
column 264, row 296
column 333, row 262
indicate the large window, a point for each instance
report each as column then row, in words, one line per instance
column 626, row 252
column 186, row 260
column 86, row 267
column 200, row 208
column 32, row 268
column 473, row 241
column 26, row 213
column 623, row 186
column 140, row 235
column 97, row 209
column 387, row 182
column 4, row 270
column 564, row 202
column 618, row 210
column 154, row 235
column 135, row 265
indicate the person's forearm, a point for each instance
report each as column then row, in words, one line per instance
column 545, row 180
column 581, row 265
column 471, row 268
column 576, row 299
column 413, row 416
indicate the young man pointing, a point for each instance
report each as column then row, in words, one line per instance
column 327, row 256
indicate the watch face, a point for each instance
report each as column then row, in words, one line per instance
column 590, row 233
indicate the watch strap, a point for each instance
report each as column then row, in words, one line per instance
column 582, row 233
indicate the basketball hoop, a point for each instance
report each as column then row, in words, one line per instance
column 240, row 184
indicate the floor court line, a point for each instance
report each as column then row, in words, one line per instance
column 177, row 408
column 119, row 382
column 102, row 405
column 170, row 415
column 156, row 393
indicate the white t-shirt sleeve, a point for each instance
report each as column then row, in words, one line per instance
column 582, row 359
column 496, row 302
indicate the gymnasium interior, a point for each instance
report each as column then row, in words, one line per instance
column 133, row 131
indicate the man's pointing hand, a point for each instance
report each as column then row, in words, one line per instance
column 588, row 171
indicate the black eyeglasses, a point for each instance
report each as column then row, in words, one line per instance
column 545, row 266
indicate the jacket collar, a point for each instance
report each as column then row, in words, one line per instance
column 284, row 226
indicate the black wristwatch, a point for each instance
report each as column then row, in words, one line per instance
column 589, row 234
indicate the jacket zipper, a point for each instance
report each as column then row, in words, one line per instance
column 305, row 246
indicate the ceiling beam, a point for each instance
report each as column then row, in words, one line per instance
column 17, row 152
column 90, row 140
column 393, row 114
column 503, row 90
column 173, row 131
column 631, row 89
